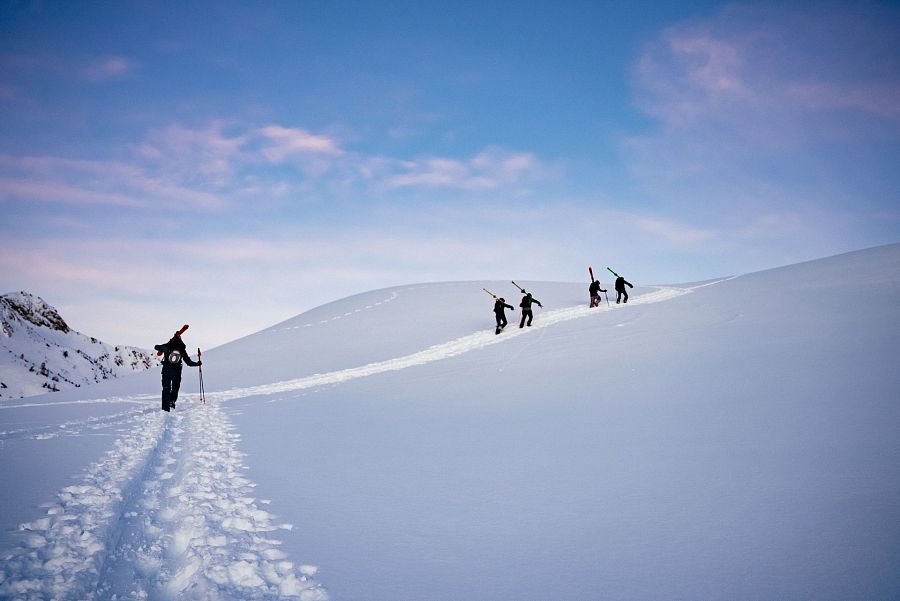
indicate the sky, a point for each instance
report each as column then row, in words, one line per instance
column 230, row 165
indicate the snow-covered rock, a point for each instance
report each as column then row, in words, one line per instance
column 39, row 352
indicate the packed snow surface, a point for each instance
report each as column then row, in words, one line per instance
column 730, row 439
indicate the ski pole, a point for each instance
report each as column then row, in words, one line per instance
column 202, row 391
column 607, row 299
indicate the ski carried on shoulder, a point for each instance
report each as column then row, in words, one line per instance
column 178, row 333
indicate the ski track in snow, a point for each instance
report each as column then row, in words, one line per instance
column 167, row 513
column 442, row 351
column 133, row 399
column 78, row 427
column 394, row 295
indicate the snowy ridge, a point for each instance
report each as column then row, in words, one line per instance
column 165, row 515
column 39, row 352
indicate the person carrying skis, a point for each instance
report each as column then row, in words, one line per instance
column 499, row 306
column 595, row 291
column 174, row 352
column 527, row 300
column 620, row 289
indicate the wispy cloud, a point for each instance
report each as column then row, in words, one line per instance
column 674, row 232
column 207, row 153
column 687, row 73
column 92, row 69
column 284, row 142
column 221, row 164
column 95, row 182
column 879, row 98
column 488, row 170
column 47, row 191
column 110, row 67
column 769, row 110
column 763, row 65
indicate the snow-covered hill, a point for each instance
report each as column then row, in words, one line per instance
column 731, row 439
column 40, row 353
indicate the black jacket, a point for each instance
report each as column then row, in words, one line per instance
column 174, row 352
column 595, row 288
column 500, row 305
column 621, row 283
column 527, row 300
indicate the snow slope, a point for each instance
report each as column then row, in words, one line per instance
column 734, row 439
column 40, row 353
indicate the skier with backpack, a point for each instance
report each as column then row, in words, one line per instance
column 526, row 303
column 620, row 287
column 500, row 313
column 595, row 291
column 173, row 353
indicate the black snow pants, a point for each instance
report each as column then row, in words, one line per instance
column 526, row 313
column 171, row 382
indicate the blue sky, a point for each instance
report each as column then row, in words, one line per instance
column 233, row 164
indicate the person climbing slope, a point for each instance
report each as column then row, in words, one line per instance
column 173, row 354
column 499, row 311
column 620, row 289
column 526, row 303
column 595, row 291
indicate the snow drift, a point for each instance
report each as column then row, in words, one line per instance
column 731, row 439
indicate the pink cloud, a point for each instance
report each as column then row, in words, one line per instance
column 765, row 109
column 764, row 67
